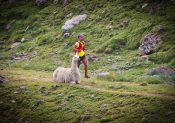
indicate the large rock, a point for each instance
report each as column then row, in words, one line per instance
column 69, row 24
column 150, row 42
column 163, row 70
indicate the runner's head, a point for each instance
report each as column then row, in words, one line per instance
column 81, row 37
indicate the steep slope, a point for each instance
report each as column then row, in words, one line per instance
column 114, row 31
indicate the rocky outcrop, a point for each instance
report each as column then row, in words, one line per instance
column 69, row 24
column 150, row 42
column 163, row 70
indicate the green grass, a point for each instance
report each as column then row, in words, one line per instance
column 91, row 101
column 127, row 94
column 116, row 48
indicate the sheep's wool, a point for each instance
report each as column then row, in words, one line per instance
column 68, row 75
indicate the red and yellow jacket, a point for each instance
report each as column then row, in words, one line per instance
column 79, row 48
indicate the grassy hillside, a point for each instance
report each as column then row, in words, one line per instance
column 36, row 99
column 41, row 29
column 114, row 30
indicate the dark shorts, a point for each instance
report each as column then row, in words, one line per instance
column 82, row 58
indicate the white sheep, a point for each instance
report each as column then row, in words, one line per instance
column 68, row 75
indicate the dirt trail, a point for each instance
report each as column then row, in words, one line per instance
column 42, row 76
column 141, row 93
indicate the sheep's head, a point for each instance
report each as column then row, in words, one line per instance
column 75, row 58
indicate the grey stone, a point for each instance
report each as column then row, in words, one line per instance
column 163, row 70
column 15, row 45
column 55, row 1
column 37, row 103
column 41, row 2
column 13, row 101
column 102, row 74
column 60, row 95
column 149, row 44
column 2, row 79
column 144, row 5
column 66, row 34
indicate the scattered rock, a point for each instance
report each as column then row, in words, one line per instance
column 69, row 15
column 15, row 44
column 109, row 26
column 18, row 41
column 69, row 24
column 44, row 92
column 2, row 79
column 55, row 1
column 20, row 56
column 24, row 56
column 150, row 43
column 15, row 92
column 23, row 87
column 163, row 70
column 13, row 101
column 62, row 106
column 60, row 95
column 37, row 103
column 66, row 34
column 125, row 22
column 41, row 2
column 144, row 5
column 102, row 74
column 23, row 39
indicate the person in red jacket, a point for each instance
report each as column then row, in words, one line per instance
column 79, row 50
